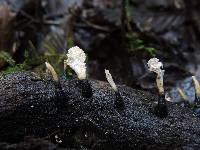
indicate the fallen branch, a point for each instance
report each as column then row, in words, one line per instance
column 33, row 106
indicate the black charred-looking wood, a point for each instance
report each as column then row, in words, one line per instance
column 30, row 143
column 85, row 87
column 29, row 106
column 119, row 103
column 161, row 109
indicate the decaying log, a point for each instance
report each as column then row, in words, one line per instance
column 30, row 143
column 31, row 106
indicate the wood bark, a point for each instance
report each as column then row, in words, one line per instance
column 32, row 106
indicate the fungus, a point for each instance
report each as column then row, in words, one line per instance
column 119, row 103
column 197, row 90
column 76, row 60
column 65, row 64
column 196, row 106
column 155, row 66
column 52, row 71
column 184, row 98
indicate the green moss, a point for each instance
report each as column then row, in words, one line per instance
column 7, row 57
column 35, row 61
column 135, row 44
column 13, row 67
column 16, row 68
column 70, row 42
column 52, row 56
column 129, row 13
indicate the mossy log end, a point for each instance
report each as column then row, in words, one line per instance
column 31, row 106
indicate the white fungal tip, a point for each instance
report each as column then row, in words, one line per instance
column 65, row 64
column 76, row 60
column 52, row 71
column 196, row 86
column 110, row 80
column 154, row 65
column 182, row 94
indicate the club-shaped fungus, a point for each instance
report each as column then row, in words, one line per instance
column 197, row 96
column 52, row 71
column 184, row 98
column 119, row 103
column 155, row 66
column 197, row 90
column 76, row 60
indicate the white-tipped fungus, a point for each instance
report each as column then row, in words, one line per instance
column 65, row 64
column 155, row 66
column 110, row 80
column 52, row 71
column 196, row 86
column 182, row 94
column 76, row 60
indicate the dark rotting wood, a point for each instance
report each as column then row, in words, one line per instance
column 31, row 106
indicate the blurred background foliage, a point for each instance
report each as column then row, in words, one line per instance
column 118, row 35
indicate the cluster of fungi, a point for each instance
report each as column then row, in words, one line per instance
column 76, row 61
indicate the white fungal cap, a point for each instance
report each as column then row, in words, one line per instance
column 110, row 80
column 76, row 60
column 154, row 65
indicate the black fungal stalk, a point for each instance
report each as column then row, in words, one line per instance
column 85, row 87
column 197, row 110
column 119, row 102
column 61, row 97
column 197, row 100
column 160, row 109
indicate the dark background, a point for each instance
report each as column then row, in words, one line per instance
column 117, row 35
